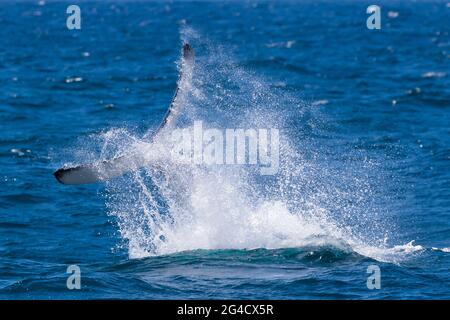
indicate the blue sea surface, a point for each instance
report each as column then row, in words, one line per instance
column 366, row 111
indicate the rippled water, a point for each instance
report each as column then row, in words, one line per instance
column 364, row 165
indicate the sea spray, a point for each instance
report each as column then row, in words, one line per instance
column 322, row 195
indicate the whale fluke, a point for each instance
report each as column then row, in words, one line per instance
column 108, row 169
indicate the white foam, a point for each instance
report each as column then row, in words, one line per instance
column 446, row 250
column 434, row 74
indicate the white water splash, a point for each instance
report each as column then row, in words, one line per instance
column 323, row 195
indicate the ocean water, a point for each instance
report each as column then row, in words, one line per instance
column 364, row 173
